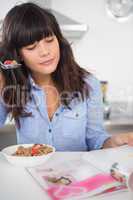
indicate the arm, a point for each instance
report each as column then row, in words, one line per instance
column 3, row 114
column 118, row 140
column 95, row 133
column 3, row 110
column 97, row 137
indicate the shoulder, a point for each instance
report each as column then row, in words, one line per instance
column 95, row 92
column 92, row 82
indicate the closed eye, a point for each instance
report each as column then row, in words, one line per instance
column 31, row 48
column 49, row 39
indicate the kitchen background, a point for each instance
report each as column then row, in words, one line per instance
column 101, row 35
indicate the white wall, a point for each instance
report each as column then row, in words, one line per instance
column 6, row 5
column 107, row 48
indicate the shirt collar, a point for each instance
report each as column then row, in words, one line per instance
column 32, row 83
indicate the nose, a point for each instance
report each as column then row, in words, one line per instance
column 43, row 49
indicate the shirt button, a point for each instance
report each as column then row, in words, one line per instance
column 50, row 130
column 77, row 115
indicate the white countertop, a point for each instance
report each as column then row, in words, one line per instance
column 17, row 184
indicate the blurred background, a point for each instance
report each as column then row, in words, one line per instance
column 101, row 34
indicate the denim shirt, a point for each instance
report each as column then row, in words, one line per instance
column 78, row 128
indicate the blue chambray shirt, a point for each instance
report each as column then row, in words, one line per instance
column 78, row 128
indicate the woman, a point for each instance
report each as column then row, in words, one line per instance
column 51, row 98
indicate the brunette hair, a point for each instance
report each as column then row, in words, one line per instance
column 23, row 25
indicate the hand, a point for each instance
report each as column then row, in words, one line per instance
column 2, row 81
column 119, row 140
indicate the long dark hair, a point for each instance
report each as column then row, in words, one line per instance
column 23, row 25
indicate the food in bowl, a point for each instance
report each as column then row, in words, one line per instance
column 34, row 150
column 27, row 158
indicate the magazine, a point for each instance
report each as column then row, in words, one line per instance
column 118, row 161
column 74, row 180
column 122, row 155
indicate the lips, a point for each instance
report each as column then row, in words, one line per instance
column 47, row 62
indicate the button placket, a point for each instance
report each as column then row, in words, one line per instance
column 50, row 130
column 50, row 135
column 77, row 115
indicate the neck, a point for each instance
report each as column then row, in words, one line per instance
column 42, row 80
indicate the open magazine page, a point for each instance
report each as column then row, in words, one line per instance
column 118, row 161
column 122, row 155
column 74, row 180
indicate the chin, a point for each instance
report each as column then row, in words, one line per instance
column 48, row 71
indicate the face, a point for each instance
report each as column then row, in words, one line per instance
column 42, row 56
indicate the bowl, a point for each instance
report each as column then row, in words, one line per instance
column 25, row 161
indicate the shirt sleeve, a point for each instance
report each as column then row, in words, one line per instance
column 95, row 134
column 3, row 112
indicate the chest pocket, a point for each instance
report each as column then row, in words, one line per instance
column 73, row 123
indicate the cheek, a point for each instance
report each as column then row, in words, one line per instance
column 58, row 55
column 29, row 58
column 57, row 52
